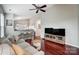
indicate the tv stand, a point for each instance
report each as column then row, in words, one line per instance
column 55, row 38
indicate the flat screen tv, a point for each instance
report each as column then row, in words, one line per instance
column 53, row 31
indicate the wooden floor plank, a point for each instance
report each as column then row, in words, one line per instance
column 52, row 48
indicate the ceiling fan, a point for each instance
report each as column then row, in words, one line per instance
column 39, row 8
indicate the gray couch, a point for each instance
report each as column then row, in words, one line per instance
column 28, row 47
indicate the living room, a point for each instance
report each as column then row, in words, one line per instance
column 20, row 20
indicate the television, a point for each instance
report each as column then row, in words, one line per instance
column 60, row 31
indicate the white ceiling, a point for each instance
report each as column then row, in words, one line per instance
column 22, row 9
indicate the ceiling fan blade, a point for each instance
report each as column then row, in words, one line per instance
column 32, row 9
column 42, row 10
column 34, row 5
column 43, row 6
column 37, row 11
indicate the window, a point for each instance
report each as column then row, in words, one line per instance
column 1, row 25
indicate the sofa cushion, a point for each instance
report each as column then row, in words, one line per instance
column 31, row 49
column 23, row 45
column 18, row 50
column 28, row 47
column 20, row 41
column 5, row 49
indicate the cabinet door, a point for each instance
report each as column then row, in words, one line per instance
column 54, row 48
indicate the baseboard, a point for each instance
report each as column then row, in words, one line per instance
column 72, row 45
column 67, row 44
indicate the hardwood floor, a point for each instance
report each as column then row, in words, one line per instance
column 52, row 48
